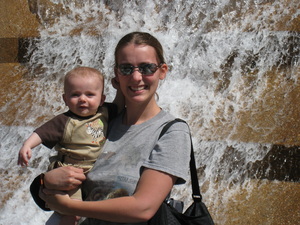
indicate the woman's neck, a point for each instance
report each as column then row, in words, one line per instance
column 135, row 115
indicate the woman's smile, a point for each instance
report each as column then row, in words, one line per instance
column 138, row 88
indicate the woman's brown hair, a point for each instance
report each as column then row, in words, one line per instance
column 141, row 38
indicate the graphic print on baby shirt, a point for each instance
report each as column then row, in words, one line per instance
column 95, row 129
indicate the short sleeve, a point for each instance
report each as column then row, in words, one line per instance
column 52, row 131
column 171, row 154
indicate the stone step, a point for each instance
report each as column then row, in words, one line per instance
column 14, row 50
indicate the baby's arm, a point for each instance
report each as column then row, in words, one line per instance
column 25, row 152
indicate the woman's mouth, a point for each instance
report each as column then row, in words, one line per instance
column 139, row 88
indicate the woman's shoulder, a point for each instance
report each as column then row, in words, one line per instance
column 174, row 123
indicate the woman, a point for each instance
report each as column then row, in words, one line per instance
column 136, row 171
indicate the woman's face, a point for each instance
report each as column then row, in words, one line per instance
column 136, row 87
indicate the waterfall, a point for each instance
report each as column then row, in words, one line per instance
column 234, row 77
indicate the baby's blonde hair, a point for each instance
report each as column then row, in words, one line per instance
column 83, row 71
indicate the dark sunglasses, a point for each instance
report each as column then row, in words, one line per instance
column 145, row 69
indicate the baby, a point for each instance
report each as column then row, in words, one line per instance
column 78, row 134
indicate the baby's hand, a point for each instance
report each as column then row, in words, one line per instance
column 24, row 156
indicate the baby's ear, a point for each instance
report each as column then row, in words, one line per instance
column 102, row 99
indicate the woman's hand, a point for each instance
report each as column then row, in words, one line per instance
column 55, row 200
column 64, row 178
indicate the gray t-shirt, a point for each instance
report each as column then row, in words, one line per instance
column 130, row 148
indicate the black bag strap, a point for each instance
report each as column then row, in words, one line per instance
column 197, row 197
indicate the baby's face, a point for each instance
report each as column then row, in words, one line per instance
column 83, row 95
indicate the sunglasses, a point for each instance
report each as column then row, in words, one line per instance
column 145, row 69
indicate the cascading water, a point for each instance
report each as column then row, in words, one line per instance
column 231, row 66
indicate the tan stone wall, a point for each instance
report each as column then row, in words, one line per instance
column 16, row 20
column 17, row 23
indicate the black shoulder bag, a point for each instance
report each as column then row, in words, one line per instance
column 196, row 214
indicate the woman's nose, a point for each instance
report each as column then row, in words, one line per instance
column 136, row 75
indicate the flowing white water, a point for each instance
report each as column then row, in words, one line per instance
column 218, row 52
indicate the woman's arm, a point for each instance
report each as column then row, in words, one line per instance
column 151, row 191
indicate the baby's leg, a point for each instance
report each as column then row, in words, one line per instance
column 71, row 220
column 54, row 219
column 59, row 219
